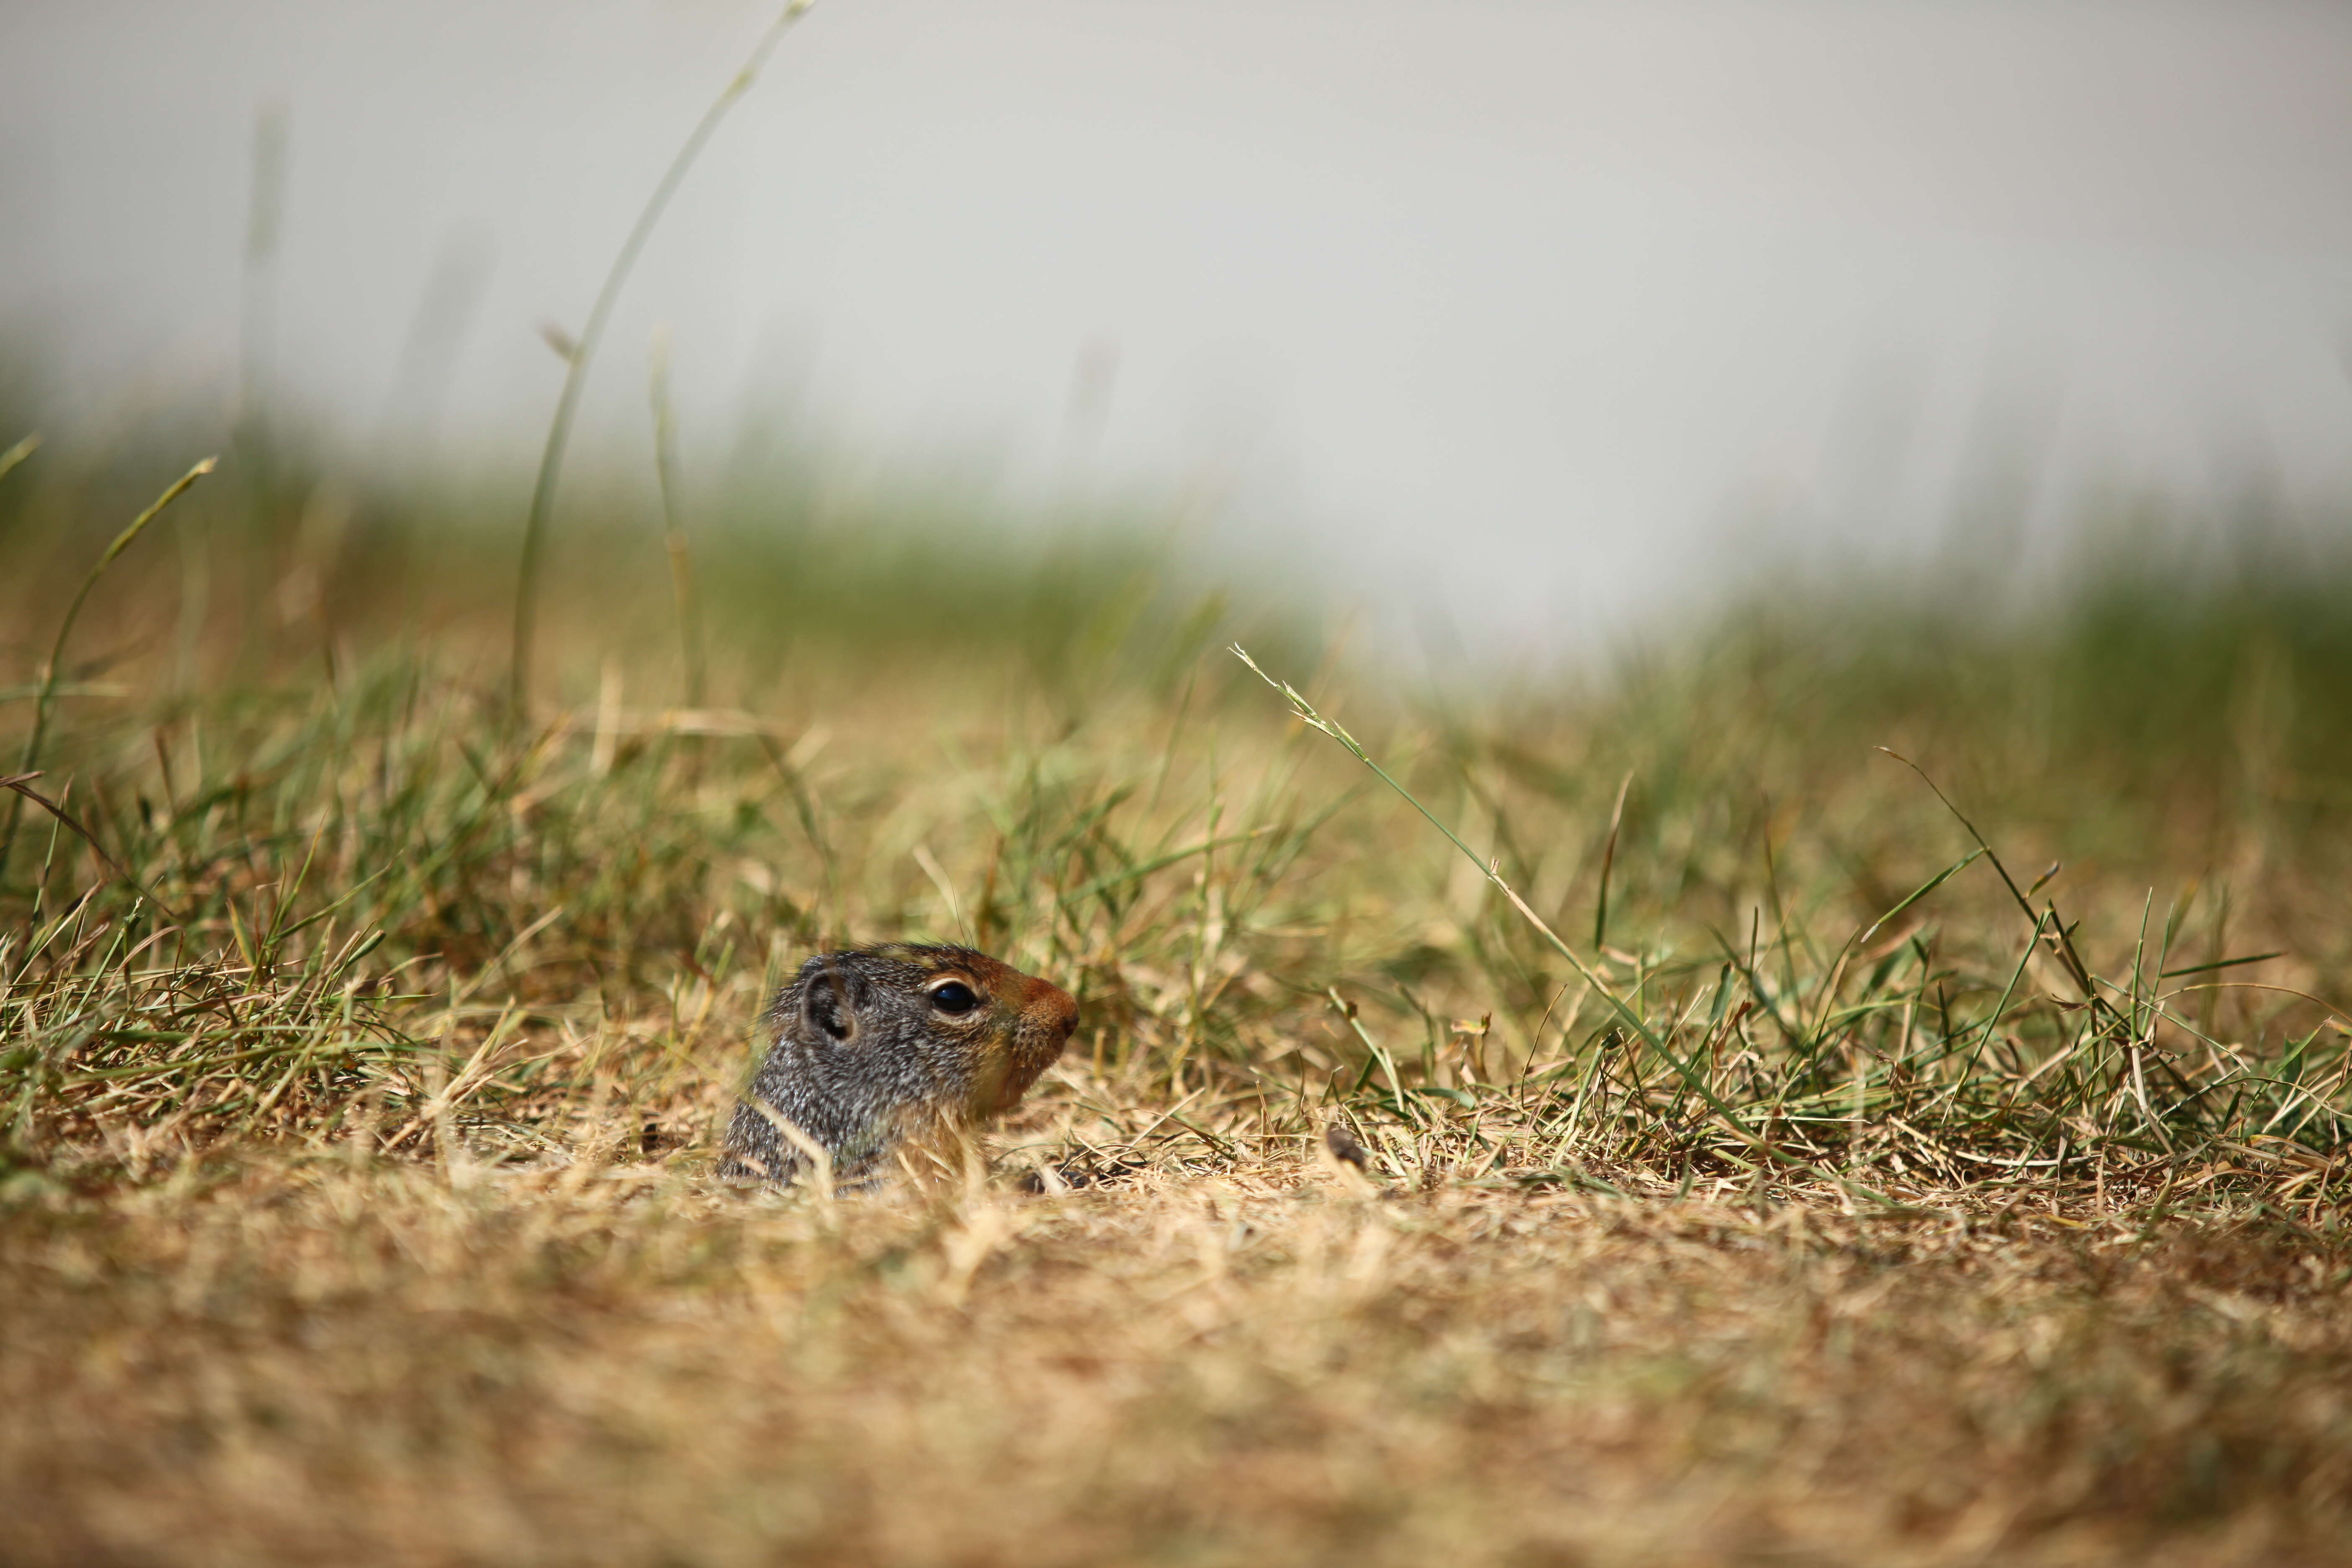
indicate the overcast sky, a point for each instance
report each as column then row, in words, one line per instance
column 1541, row 312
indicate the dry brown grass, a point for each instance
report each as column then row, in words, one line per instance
column 354, row 1200
column 333, row 1361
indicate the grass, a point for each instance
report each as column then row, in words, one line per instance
column 1858, row 1194
column 580, row 353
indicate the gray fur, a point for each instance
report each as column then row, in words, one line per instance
column 860, row 1058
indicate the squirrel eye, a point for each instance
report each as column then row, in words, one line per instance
column 954, row 997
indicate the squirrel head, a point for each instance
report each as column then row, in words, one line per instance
column 947, row 1028
column 880, row 1053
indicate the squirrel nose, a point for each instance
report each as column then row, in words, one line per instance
column 1058, row 1006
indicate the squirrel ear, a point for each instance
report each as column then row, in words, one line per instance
column 829, row 1006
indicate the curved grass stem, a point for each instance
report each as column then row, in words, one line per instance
column 45, row 692
column 18, row 453
column 580, row 353
column 680, row 551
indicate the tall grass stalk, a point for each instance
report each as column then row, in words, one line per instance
column 582, row 351
column 18, row 454
column 45, row 690
column 680, row 551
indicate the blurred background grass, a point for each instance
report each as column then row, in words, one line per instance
column 1038, row 700
column 2176, row 696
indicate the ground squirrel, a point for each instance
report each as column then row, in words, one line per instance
column 892, row 1055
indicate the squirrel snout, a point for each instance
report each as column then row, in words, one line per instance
column 1044, row 1019
column 1055, row 1010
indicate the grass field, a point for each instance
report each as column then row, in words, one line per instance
column 1745, row 1161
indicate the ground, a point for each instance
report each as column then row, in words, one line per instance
column 1651, row 1120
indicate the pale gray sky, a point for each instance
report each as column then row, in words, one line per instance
column 1531, row 312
